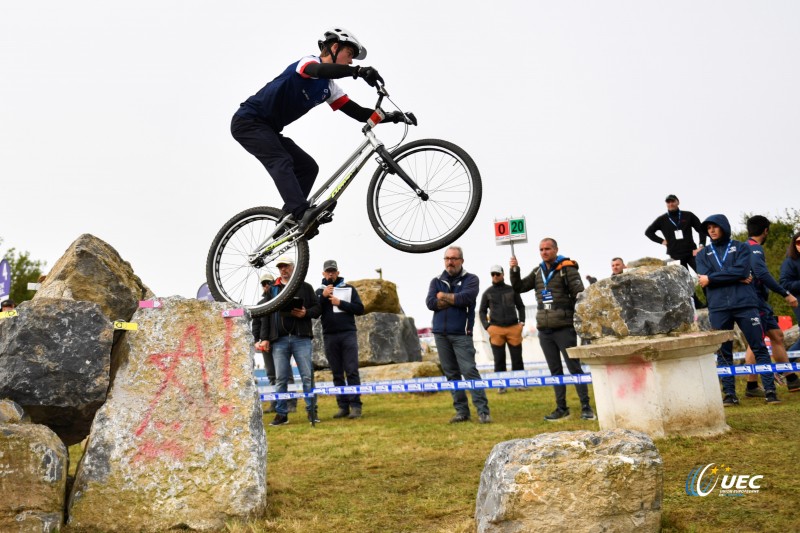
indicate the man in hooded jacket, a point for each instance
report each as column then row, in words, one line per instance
column 724, row 269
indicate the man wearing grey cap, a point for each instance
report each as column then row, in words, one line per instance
column 340, row 304
column 506, row 317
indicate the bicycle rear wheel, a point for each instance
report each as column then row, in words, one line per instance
column 233, row 278
column 451, row 179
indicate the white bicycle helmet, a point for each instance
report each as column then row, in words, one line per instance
column 341, row 35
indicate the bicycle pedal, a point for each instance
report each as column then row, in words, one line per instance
column 325, row 218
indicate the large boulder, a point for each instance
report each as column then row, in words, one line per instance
column 643, row 301
column 33, row 475
column 180, row 442
column 91, row 270
column 378, row 295
column 572, row 481
column 54, row 361
column 383, row 339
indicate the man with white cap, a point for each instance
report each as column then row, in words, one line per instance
column 506, row 317
column 289, row 332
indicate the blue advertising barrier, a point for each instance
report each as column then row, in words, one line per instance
column 428, row 385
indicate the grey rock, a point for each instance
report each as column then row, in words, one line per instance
column 180, row 442
column 54, row 362
column 91, row 270
column 572, row 481
column 33, row 477
column 378, row 295
column 12, row 413
column 643, row 301
column 383, row 338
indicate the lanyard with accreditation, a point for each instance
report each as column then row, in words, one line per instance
column 678, row 230
column 724, row 256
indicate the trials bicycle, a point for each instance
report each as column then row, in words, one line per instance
column 422, row 197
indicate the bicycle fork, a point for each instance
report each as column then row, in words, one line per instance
column 393, row 168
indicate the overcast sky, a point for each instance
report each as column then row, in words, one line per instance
column 582, row 116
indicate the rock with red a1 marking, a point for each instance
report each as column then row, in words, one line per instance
column 180, row 441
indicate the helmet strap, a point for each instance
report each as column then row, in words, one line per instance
column 330, row 49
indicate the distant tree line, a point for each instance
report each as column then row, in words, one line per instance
column 24, row 270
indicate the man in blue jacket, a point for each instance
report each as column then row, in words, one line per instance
column 452, row 297
column 340, row 304
column 724, row 269
column 757, row 233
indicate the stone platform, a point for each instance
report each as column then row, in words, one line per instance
column 663, row 386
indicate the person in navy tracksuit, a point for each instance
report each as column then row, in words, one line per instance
column 724, row 270
column 758, row 233
column 790, row 279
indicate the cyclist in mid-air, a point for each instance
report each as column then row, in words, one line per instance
column 304, row 84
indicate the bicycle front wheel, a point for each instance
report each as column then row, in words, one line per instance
column 449, row 177
column 232, row 276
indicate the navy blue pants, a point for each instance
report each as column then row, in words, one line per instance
column 749, row 321
column 341, row 350
column 292, row 170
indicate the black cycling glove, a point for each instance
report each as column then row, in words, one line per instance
column 397, row 116
column 370, row 75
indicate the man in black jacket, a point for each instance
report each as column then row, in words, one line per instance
column 340, row 304
column 676, row 232
column 557, row 283
column 289, row 332
column 504, row 323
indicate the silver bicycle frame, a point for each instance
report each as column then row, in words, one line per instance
column 360, row 156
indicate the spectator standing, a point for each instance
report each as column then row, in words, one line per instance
column 289, row 332
column 262, row 345
column 452, row 297
column 617, row 266
column 340, row 304
column 676, row 234
column 790, row 279
column 758, row 232
column 8, row 305
column 557, row 283
column 504, row 323
column 724, row 270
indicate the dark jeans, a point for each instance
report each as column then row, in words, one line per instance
column 293, row 170
column 341, row 349
column 457, row 356
column 749, row 321
column 554, row 343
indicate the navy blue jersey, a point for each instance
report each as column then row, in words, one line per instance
column 291, row 95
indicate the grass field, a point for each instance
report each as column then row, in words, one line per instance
column 402, row 467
